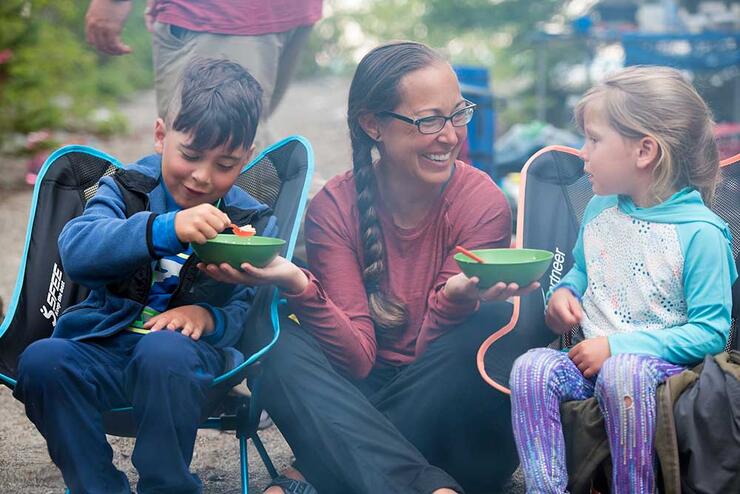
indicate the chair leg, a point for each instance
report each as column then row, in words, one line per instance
column 263, row 454
column 244, row 464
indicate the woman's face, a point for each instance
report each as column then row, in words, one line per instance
column 408, row 153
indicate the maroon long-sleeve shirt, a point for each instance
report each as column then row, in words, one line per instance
column 472, row 212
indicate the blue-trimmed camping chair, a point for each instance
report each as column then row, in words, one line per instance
column 553, row 194
column 279, row 177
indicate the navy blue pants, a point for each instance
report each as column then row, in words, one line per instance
column 166, row 377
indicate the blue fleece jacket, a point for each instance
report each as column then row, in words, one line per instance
column 104, row 246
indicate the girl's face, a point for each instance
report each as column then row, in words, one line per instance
column 426, row 158
column 610, row 159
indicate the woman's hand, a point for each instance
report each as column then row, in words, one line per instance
column 191, row 320
column 563, row 311
column 280, row 272
column 589, row 355
column 461, row 288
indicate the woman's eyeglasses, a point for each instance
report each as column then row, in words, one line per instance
column 435, row 123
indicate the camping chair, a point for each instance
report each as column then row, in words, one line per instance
column 279, row 177
column 554, row 178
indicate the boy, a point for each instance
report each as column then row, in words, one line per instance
column 154, row 331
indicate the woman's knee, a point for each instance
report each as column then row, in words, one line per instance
column 291, row 354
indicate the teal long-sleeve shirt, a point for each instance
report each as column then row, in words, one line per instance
column 655, row 281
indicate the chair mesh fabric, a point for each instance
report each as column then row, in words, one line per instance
column 262, row 182
column 578, row 194
column 89, row 192
column 727, row 206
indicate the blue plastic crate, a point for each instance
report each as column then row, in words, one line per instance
column 474, row 84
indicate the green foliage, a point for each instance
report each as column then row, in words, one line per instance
column 51, row 78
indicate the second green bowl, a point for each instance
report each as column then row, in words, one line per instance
column 520, row 266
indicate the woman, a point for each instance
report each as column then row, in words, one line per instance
column 377, row 390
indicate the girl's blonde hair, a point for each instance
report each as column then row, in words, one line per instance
column 657, row 102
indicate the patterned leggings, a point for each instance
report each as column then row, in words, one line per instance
column 625, row 388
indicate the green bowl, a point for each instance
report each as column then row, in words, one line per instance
column 520, row 266
column 258, row 251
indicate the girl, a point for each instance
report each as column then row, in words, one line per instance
column 651, row 283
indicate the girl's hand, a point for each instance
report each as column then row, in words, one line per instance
column 589, row 355
column 563, row 311
column 280, row 272
column 191, row 320
column 461, row 288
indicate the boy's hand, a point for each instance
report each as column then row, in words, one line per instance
column 459, row 288
column 563, row 311
column 191, row 320
column 280, row 272
column 199, row 223
column 589, row 355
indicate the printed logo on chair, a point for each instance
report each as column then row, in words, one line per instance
column 54, row 297
column 557, row 267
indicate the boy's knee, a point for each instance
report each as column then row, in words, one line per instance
column 43, row 359
column 164, row 351
column 44, row 365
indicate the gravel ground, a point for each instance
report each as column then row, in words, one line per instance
column 314, row 108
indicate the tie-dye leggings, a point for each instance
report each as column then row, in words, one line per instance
column 625, row 388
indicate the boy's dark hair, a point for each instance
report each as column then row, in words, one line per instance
column 218, row 102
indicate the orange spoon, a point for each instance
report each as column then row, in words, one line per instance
column 242, row 233
column 466, row 252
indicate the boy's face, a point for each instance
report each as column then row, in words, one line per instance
column 195, row 177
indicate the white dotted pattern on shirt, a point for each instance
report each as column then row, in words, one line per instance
column 635, row 275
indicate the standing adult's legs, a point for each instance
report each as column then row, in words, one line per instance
column 270, row 58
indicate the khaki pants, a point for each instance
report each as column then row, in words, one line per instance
column 270, row 58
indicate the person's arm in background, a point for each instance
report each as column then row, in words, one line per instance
column 104, row 22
